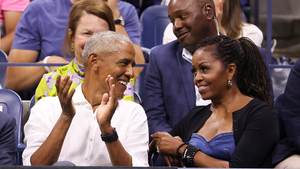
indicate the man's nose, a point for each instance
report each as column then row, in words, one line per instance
column 129, row 72
column 177, row 24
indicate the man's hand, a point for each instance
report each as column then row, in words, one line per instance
column 107, row 107
column 48, row 152
column 65, row 98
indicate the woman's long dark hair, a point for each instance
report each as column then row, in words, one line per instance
column 251, row 71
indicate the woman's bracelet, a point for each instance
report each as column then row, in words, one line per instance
column 189, row 154
column 47, row 67
column 178, row 154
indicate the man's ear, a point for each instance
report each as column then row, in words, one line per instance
column 208, row 11
column 93, row 61
column 231, row 68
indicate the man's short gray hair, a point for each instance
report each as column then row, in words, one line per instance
column 104, row 42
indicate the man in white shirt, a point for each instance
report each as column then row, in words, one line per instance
column 81, row 126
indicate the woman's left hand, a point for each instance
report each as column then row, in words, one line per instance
column 167, row 144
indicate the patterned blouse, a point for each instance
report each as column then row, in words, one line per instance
column 75, row 70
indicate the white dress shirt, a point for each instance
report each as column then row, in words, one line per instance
column 83, row 145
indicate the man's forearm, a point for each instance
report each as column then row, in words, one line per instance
column 49, row 151
column 118, row 155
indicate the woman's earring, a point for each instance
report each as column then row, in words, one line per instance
column 72, row 46
column 229, row 83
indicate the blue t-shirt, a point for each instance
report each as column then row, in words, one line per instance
column 132, row 22
column 43, row 26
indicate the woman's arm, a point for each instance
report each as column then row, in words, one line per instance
column 168, row 145
column 11, row 20
column 20, row 78
column 259, row 134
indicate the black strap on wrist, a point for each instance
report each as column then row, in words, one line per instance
column 177, row 151
column 189, row 154
column 110, row 138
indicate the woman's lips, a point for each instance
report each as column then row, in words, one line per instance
column 201, row 88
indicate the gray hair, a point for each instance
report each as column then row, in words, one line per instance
column 104, row 42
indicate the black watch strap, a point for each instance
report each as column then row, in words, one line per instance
column 118, row 21
column 110, row 138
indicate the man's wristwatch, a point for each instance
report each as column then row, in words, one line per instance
column 110, row 138
column 120, row 21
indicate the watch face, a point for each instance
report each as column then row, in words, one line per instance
column 120, row 21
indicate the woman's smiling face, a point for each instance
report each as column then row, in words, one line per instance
column 210, row 75
column 88, row 24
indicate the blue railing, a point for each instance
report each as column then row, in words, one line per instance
column 48, row 64
column 137, row 65
column 269, row 31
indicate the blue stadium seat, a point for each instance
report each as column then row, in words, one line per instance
column 3, row 58
column 146, row 53
column 141, row 82
column 153, row 20
column 11, row 103
column 32, row 103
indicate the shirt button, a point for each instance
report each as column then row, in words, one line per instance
column 95, row 118
column 91, row 139
column 86, row 159
column 234, row 121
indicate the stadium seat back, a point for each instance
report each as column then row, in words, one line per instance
column 153, row 20
column 11, row 103
column 3, row 58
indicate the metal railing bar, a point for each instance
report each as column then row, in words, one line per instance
column 47, row 64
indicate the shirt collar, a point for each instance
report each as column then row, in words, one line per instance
column 78, row 96
column 187, row 55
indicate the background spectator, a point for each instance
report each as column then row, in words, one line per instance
column 10, row 13
column 287, row 152
column 231, row 23
column 40, row 33
column 86, row 18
